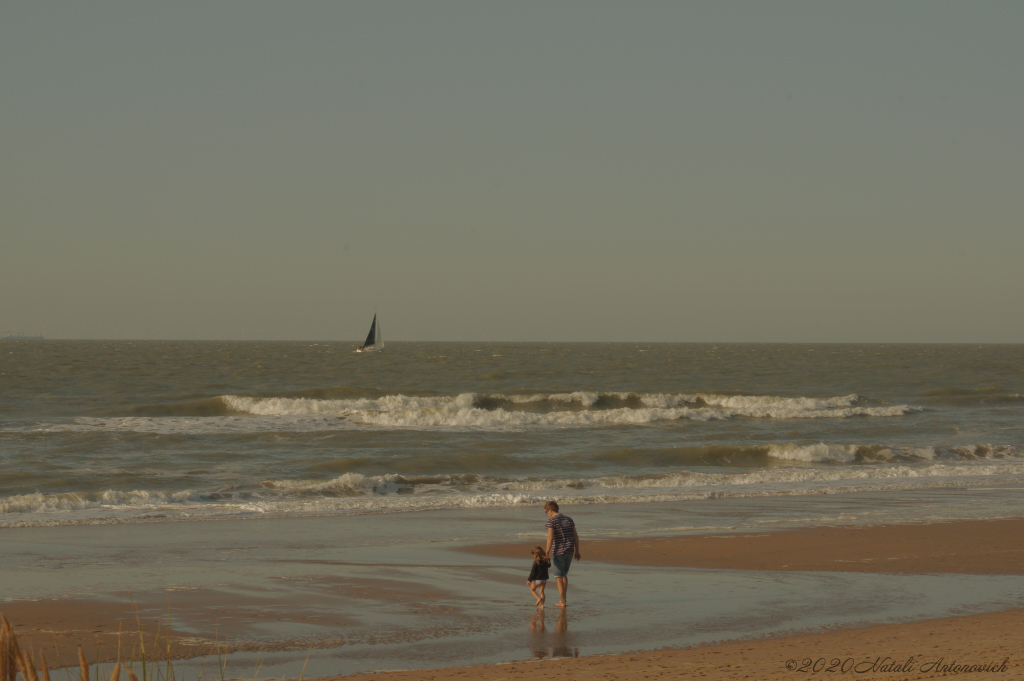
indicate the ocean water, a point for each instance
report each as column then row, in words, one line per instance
column 136, row 431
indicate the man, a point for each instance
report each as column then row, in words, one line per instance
column 563, row 545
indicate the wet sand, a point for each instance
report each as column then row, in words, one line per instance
column 182, row 625
column 922, row 650
column 368, row 607
column 977, row 547
column 191, row 623
column 915, row 650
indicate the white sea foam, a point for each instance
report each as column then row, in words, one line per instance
column 832, row 453
column 480, row 412
column 587, row 399
column 353, row 492
column 816, row 453
column 349, row 484
column 109, row 499
column 464, row 410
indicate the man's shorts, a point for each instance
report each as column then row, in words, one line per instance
column 561, row 563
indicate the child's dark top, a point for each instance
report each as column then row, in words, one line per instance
column 539, row 571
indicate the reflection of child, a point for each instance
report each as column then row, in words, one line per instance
column 538, row 575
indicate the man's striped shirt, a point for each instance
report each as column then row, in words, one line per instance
column 565, row 540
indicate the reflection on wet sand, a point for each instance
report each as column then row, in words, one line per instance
column 556, row 644
column 365, row 599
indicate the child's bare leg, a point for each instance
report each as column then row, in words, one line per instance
column 533, row 591
column 540, row 590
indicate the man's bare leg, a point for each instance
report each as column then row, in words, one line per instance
column 563, row 589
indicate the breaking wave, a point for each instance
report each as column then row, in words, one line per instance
column 798, row 470
column 860, row 454
column 558, row 409
column 235, row 413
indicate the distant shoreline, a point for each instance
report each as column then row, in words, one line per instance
column 357, row 341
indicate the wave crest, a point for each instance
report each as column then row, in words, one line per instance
column 797, row 470
column 559, row 409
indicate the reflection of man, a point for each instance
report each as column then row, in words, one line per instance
column 561, row 639
column 563, row 545
column 541, row 639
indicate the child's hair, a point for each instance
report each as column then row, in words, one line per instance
column 538, row 554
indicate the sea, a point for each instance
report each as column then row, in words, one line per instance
column 96, row 432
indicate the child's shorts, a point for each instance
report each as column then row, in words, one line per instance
column 540, row 582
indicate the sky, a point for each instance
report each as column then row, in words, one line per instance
column 517, row 171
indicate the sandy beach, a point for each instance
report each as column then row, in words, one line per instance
column 325, row 611
column 918, row 650
column 987, row 643
column 979, row 547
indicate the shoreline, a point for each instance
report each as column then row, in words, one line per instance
column 898, row 652
column 919, row 649
column 977, row 547
column 319, row 612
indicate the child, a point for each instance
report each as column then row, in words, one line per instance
column 538, row 575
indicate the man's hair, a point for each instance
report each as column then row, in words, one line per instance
column 551, row 506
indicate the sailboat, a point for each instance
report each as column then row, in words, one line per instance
column 374, row 339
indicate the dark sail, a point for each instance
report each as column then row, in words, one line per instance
column 371, row 338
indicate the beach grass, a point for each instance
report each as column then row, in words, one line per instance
column 154, row 663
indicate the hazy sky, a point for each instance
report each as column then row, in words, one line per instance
column 643, row 171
